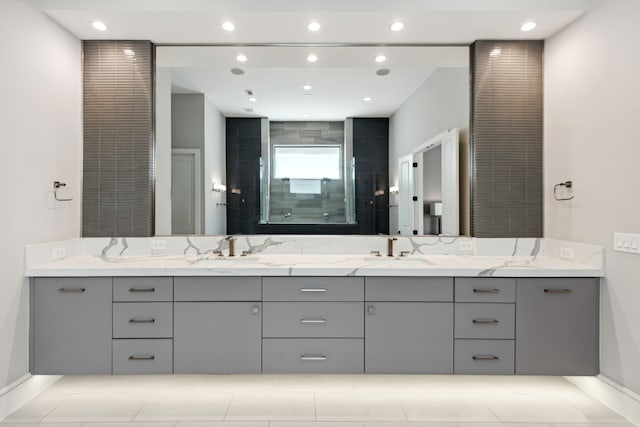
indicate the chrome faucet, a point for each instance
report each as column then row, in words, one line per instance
column 232, row 245
column 390, row 241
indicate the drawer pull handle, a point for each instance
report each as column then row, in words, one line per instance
column 313, row 320
column 142, row 320
column 142, row 289
column 485, row 321
column 134, row 357
column 313, row 290
column 486, row 291
column 557, row 291
column 485, row 358
column 71, row 290
column 313, row 358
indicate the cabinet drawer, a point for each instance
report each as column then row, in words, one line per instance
column 143, row 320
column 142, row 289
column 217, row 289
column 436, row 289
column 484, row 357
column 487, row 289
column 492, row 321
column 313, row 288
column 142, row 356
column 319, row 355
column 313, row 319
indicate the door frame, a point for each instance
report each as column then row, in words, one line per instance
column 198, row 183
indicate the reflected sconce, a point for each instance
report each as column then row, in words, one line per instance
column 220, row 188
column 379, row 193
column 393, row 189
column 236, row 191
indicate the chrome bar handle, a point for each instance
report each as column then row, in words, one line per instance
column 135, row 357
column 486, row 291
column 313, row 320
column 313, row 290
column 142, row 320
column 313, row 357
column 134, row 290
column 557, row 291
column 71, row 290
column 485, row 321
column 485, row 358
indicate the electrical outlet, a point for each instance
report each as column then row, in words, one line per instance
column 58, row 253
column 567, row 253
column 465, row 245
column 158, row 245
column 626, row 242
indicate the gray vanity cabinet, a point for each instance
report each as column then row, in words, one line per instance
column 71, row 325
column 217, row 325
column 404, row 336
column 557, row 326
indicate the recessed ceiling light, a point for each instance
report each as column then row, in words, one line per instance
column 99, row 25
column 396, row 26
column 228, row 26
column 312, row 58
column 528, row 26
column 241, row 58
column 380, row 58
column 366, row 99
column 252, row 99
column 237, row 71
column 306, row 87
column 313, row 26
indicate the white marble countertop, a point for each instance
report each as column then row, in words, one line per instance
column 315, row 265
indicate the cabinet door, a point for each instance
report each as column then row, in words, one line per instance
column 557, row 326
column 72, row 325
column 409, row 338
column 217, row 337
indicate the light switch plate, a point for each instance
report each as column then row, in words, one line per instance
column 158, row 245
column 58, row 253
column 465, row 245
column 626, row 242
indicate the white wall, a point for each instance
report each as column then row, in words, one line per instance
column 442, row 102
column 41, row 137
column 214, row 169
column 592, row 138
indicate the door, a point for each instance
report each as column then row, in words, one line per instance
column 185, row 191
column 217, row 337
column 450, row 198
column 406, row 205
column 409, row 338
column 557, row 326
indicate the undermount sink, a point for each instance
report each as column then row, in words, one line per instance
column 399, row 261
column 220, row 261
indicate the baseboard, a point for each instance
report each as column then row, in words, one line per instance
column 613, row 394
column 23, row 390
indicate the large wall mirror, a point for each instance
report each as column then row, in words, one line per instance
column 305, row 101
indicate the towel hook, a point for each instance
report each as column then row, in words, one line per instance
column 56, row 186
column 567, row 184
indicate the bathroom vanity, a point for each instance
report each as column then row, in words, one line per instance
column 297, row 313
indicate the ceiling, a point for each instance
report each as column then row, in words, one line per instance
column 341, row 77
column 285, row 21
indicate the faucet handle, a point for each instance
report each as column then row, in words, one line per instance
column 376, row 253
column 219, row 253
column 245, row 253
column 404, row 253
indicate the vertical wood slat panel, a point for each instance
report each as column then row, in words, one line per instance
column 118, row 157
column 506, row 138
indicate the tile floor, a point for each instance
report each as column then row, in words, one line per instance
column 313, row 401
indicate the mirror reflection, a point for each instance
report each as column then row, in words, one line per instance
column 262, row 137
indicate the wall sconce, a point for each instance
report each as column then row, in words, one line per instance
column 393, row 189
column 220, row 188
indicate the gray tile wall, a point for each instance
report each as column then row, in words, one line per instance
column 506, row 138
column 118, row 165
column 307, row 208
